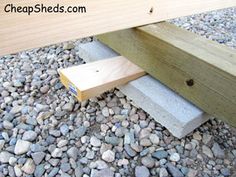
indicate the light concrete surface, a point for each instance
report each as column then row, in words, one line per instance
column 168, row 108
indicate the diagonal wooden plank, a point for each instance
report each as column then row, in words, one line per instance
column 202, row 71
column 22, row 31
column 88, row 80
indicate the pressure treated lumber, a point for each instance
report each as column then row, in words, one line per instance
column 200, row 70
column 22, row 31
column 165, row 106
column 89, row 80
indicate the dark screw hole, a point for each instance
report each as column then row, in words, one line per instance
column 97, row 71
column 190, row 82
column 151, row 10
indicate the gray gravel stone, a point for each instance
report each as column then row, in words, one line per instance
column 68, row 107
column 90, row 154
column 160, row 154
column 175, row 172
column 207, row 151
column 154, row 139
column 225, row 172
column 64, row 129
column 112, row 140
column 101, row 164
column 65, row 167
column 141, row 171
column 129, row 151
column 73, row 153
column 44, row 89
column 163, row 172
column 104, row 173
column 144, row 152
column 105, row 112
column 217, row 151
column 38, row 157
column 37, row 148
column 145, row 142
column 54, row 162
column 53, row 172
column 79, row 172
column 184, row 170
column 129, row 138
column 39, row 171
column 148, row 162
column 79, row 132
column 31, row 121
column 29, row 136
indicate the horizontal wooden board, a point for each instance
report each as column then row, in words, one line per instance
column 202, row 71
column 89, row 80
column 22, row 31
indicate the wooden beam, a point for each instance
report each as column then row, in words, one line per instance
column 22, row 31
column 200, row 70
column 92, row 79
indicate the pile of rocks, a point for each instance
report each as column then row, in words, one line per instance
column 44, row 131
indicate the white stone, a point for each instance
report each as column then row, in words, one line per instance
column 17, row 171
column 175, row 157
column 29, row 167
column 101, row 164
column 108, row 156
column 62, row 143
column 12, row 160
column 163, row 173
column 105, row 112
column 94, row 141
column 56, row 153
column 168, row 108
column 7, row 125
column 21, row 147
column 5, row 156
column 122, row 162
column 154, row 139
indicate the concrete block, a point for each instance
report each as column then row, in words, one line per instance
column 168, row 108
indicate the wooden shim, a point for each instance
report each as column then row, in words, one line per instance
column 202, row 71
column 92, row 79
column 20, row 31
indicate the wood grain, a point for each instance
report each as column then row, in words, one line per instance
column 202, row 71
column 20, row 31
column 89, row 80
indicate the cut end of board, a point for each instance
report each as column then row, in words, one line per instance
column 89, row 80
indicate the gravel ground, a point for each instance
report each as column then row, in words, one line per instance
column 218, row 25
column 44, row 131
